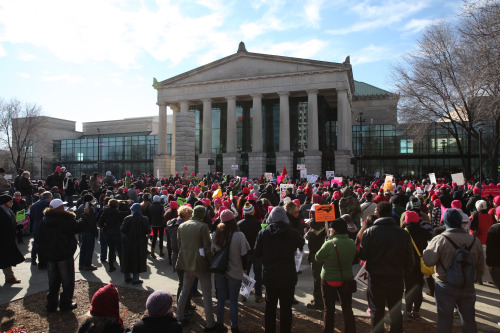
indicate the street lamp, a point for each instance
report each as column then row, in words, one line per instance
column 99, row 151
column 41, row 167
column 443, row 143
column 480, row 153
column 361, row 120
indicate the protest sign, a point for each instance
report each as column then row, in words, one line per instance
column 283, row 188
column 312, row 178
column 362, row 276
column 303, row 173
column 338, row 180
column 377, row 175
column 324, row 213
column 181, row 201
column 432, row 178
column 244, row 179
column 330, row 174
column 269, row 176
column 388, row 183
column 247, row 285
column 491, row 189
column 298, row 259
column 428, row 187
column 234, row 166
column 326, row 183
column 278, row 179
column 458, row 178
column 301, row 166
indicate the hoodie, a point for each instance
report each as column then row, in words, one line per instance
column 276, row 245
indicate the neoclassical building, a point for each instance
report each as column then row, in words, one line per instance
column 263, row 112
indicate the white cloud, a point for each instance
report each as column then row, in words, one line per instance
column 371, row 53
column 64, row 77
column 27, row 57
column 312, row 12
column 416, row 25
column 24, row 75
column 377, row 16
column 2, row 51
column 307, row 49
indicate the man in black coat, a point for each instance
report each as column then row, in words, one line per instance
column 388, row 252
column 276, row 245
column 9, row 253
column 57, row 243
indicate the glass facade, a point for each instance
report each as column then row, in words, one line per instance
column 109, row 152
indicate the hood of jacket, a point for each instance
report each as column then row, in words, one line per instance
column 278, row 214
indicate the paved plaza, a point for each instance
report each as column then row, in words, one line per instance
column 161, row 276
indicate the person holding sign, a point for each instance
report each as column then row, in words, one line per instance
column 334, row 273
column 19, row 208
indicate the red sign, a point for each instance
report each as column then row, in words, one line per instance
column 492, row 190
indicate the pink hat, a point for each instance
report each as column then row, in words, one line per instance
column 411, row 217
column 127, row 173
column 496, row 200
column 226, row 215
column 476, row 190
column 245, row 190
column 231, row 184
column 337, row 195
column 497, row 211
column 297, row 202
column 317, row 199
column 454, row 184
column 173, row 204
column 252, row 197
column 125, row 190
column 214, row 186
column 218, row 199
column 269, row 209
column 222, row 208
column 178, row 191
column 456, row 204
column 206, row 202
column 437, row 203
column 165, row 192
column 58, row 169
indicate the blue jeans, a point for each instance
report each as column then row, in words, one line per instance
column 257, row 272
column 86, row 249
column 227, row 288
column 135, row 276
column 446, row 297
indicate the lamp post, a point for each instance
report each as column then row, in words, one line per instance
column 361, row 120
column 99, row 151
column 480, row 153
column 41, row 167
column 443, row 143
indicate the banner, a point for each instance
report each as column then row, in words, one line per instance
column 324, row 213
column 330, row 174
column 283, row 188
column 247, row 285
column 458, row 178
column 492, row 190
column 298, row 259
column 362, row 276
column 432, row 178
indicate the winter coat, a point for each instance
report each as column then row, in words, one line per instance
column 135, row 229
column 165, row 324
column 36, row 213
column 250, row 227
column 111, row 220
column 493, row 246
column 315, row 237
column 155, row 213
column 192, row 236
column 95, row 185
column 109, row 181
column 420, row 236
column 276, row 245
column 327, row 256
column 69, row 186
column 387, row 249
column 25, row 186
column 480, row 224
column 9, row 253
column 91, row 225
column 101, row 325
column 56, row 234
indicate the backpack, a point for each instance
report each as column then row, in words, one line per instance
column 461, row 270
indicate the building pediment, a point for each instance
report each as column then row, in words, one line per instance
column 245, row 64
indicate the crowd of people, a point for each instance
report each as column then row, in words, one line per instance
column 405, row 233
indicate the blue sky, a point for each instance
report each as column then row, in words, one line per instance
column 95, row 59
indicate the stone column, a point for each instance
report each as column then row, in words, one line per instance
column 162, row 162
column 284, row 157
column 313, row 154
column 185, row 139
column 206, row 151
column 344, row 154
column 257, row 158
column 231, row 157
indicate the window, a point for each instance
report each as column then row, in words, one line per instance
column 406, row 146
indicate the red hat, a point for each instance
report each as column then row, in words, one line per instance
column 58, row 169
column 269, row 209
column 178, row 191
column 437, row 203
column 125, row 190
column 317, row 199
column 214, row 186
column 337, row 195
column 231, row 184
column 252, row 197
column 476, row 190
column 206, row 202
column 297, row 202
column 496, row 200
column 411, row 217
column 165, row 192
column 127, row 173
column 173, row 204
column 106, row 303
column 245, row 190
column 377, row 199
column 434, row 197
column 219, row 200
column 456, row 204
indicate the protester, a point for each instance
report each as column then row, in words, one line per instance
column 36, row 217
column 334, row 274
column 110, row 222
column 88, row 235
column 160, row 318
column 9, row 253
column 155, row 213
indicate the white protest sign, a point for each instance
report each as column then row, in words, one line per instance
column 8, row 176
column 330, row 174
column 312, row 178
column 158, row 173
column 234, row 167
column 298, row 259
column 301, row 166
column 428, row 187
column 377, row 175
column 432, row 178
column 338, row 180
column 458, row 178
column 303, row 173
column 246, row 286
column 362, row 276
column 269, row 176
column 283, row 188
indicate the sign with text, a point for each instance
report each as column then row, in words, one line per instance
column 377, row 175
column 234, row 167
column 283, row 188
column 301, row 166
column 338, row 180
column 247, row 285
column 324, row 213
column 326, row 183
column 492, row 190
column 312, row 178
column 432, row 178
column 330, row 174
column 269, row 176
column 362, row 276
column 303, row 173
column 458, row 178
column 428, row 187
column 181, row 201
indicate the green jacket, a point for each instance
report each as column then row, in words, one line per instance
column 328, row 257
column 193, row 237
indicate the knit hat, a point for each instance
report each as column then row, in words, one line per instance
column 105, row 303
column 248, row 209
column 297, row 202
column 127, row 173
column 337, row 195
column 199, row 212
column 173, row 204
column 58, row 169
column 317, row 198
column 452, row 218
column 159, row 303
column 496, row 200
column 156, row 198
column 457, row 204
column 4, row 198
column 476, row 190
column 497, row 211
column 136, row 208
column 226, row 215
column 437, row 203
column 286, row 199
column 414, row 202
column 411, row 217
column 245, row 190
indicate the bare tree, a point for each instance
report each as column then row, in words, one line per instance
column 18, row 129
column 451, row 80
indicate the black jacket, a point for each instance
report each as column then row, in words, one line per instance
column 250, row 227
column 9, row 253
column 387, row 249
column 493, row 246
column 56, row 234
column 155, row 213
column 111, row 220
column 101, row 325
column 276, row 244
column 157, row 324
column 25, row 186
column 420, row 237
column 91, row 225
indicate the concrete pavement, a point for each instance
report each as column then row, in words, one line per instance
column 161, row 276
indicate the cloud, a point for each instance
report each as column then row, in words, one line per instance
column 27, row 57
column 377, row 16
column 416, row 25
column 64, row 77
column 24, row 75
column 312, row 12
column 371, row 53
column 2, row 52
column 307, row 49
